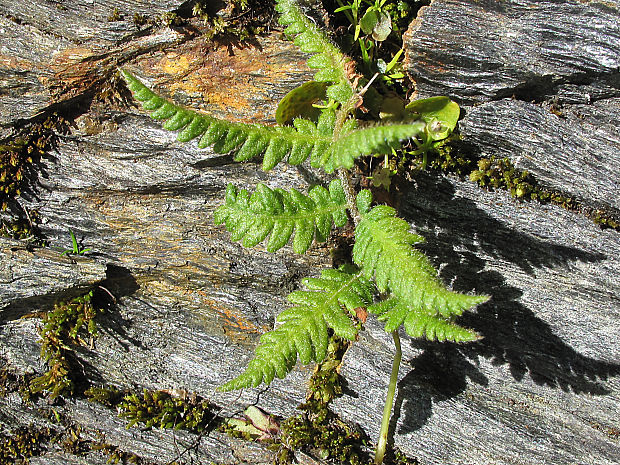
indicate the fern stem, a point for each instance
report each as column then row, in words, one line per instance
column 389, row 401
column 345, row 180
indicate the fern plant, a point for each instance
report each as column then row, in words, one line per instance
column 388, row 275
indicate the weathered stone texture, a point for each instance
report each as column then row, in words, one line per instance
column 543, row 386
column 539, row 82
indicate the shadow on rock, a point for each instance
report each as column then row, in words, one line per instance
column 119, row 283
column 512, row 333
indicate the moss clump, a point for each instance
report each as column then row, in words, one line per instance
column 501, row 174
column 318, row 430
column 448, row 156
column 115, row 16
column 238, row 21
column 139, row 20
column 108, row 396
column 161, row 410
column 23, row 443
column 116, row 455
column 24, row 228
column 9, row 381
column 20, row 155
column 63, row 327
column 605, row 221
column 452, row 156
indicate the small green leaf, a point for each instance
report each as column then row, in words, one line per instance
column 363, row 201
column 298, row 102
column 439, row 113
column 369, row 21
column 383, row 28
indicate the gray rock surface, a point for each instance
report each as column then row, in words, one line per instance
column 37, row 277
column 539, row 82
column 543, row 386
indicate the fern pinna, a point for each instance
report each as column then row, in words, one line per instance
column 278, row 213
column 388, row 275
column 305, row 139
column 303, row 331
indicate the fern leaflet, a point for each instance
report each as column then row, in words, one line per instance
column 327, row 58
column 365, row 141
column 252, row 218
column 247, row 140
column 384, row 250
column 304, row 327
column 306, row 139
column 419, row 324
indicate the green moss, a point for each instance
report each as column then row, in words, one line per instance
column 115, row 16
column 20, row 157
column 63, row 327
column 23, row 443
column 25, row 228
column 502, row 174
column 117, row 455
column 161, row 410
column 108, row 396
column 604, row 220
column 317, row 429
column 238, row 21
column 452, row 156
column 448, row 156
column 9, row 381
column 139, row 20
column 227, row 21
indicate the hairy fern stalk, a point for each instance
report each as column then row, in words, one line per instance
column 388, row 275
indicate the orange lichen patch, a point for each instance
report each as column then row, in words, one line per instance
column 238, row 83
column 234, row 324
column 175, row 65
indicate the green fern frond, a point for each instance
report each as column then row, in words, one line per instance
column 418, row 323
column 304, row 327
column 327, row 58
column 365, row 141
column 246, row 140
column 384, row 250
column 252, row 218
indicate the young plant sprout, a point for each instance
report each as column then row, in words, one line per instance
column 76, row 249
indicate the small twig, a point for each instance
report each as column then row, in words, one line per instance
column 367, row 86
column 108, row 292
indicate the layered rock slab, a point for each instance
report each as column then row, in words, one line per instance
column 191, row 304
